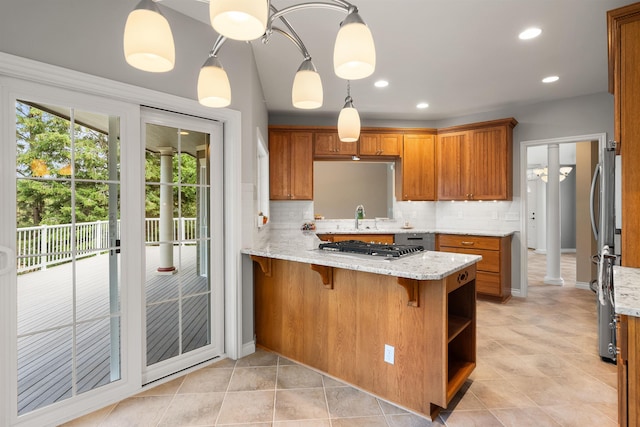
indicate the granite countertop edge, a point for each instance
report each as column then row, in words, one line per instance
column 302, row 247
column 485, row 233
column 626, row 283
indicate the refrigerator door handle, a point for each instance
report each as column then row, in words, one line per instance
column 594, row 227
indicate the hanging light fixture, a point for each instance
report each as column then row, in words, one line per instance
column 149, row 45
column 239, row 19
column 307, row 87
column 348, row 120
column 148, row 42
column 354, row 54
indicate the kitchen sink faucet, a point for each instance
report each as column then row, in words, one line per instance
column 359, row 214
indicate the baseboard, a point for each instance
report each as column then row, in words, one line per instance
column 583, row 285
column 248, row 348
column 516, row 292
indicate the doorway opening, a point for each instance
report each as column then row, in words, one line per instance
column 575, row 263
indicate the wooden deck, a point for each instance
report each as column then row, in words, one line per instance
column 45, row 314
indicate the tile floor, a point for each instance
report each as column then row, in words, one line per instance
column 537, row 366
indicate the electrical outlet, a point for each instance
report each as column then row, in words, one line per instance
column 389, row 354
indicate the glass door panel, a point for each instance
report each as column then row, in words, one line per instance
column 67, row 240
column 178, row 246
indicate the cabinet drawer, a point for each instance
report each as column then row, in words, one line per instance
column 490, row 259
column 465, row 241
column 488, row 283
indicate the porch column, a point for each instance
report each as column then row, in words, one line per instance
column 166, row 211
column 553, row 276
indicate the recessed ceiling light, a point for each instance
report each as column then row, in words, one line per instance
column 550, row 79
column 381, row 83
column 422, row 105
column 530, row 33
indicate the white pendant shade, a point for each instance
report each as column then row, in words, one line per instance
column 214, row 89
column 349, row 124
column 239, row 19
column 148, row 42
column 307, row 92
column 354, row 53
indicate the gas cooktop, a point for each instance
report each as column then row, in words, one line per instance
column 374, row 249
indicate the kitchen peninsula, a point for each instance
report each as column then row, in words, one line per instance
column 346, row 314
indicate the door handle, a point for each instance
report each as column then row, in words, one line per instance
column 10, row 256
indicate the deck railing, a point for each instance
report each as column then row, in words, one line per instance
column 45, row 245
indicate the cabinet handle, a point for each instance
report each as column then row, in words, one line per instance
column 465, row 243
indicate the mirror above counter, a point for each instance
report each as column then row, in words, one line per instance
column 340, row 186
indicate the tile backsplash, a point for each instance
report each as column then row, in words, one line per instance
column 490, row 216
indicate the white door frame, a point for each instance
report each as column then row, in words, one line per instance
column 524, row 269
column 34, row 72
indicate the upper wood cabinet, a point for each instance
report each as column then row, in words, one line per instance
column 415, row 171
column 328, row 144
column 624, row 82
column 380, row 144
column 290, row 165
column 474, row 162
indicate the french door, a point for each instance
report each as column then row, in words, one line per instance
column 183, row 242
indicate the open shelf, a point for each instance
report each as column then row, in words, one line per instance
column 458, row 372
column 457, row 324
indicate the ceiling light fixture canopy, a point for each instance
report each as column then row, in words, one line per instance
column 148, row 45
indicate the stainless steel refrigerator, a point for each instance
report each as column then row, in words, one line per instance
column 606, row 225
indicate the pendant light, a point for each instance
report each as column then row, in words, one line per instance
column 148, row 42
column 239, row 19
column 349, row 120
column 214, row 89
column 354, row 53
column 307, row 91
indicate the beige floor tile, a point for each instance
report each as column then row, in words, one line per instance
column 259, row 358
column 137, row 412
column 482, row 418
column 296, row 376
column 499, row 394
column 249, row 379
column 350, row 402
column 206, row 381
column 411, row 420
column 543, row 391
column 389, row 409
column 193, row 410
column 524, row 417
column 330, row 382
column 514, row 366
column 224, row 363
column 247, row 407
column 484, row 371
column 579, row 416
column 300, row 404
column 379, row 421
column 303, row 423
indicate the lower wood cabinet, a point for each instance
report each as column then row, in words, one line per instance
column 493, row 277
column 628, row 337
column 369, row 238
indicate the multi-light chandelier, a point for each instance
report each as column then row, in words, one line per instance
column 149, row 46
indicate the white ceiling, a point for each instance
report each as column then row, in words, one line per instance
column 460, row 56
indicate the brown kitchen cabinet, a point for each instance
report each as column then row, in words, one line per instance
column 328, row 144
column 380, row 144
column 628, row 361
column 369, row 238
column 290, row 165
column 493, row 276
column 474, row 162
column 624, row 83
column 415, row 171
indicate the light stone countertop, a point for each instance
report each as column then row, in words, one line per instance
column 487, row 233
column 299, row 246
column 626, row 284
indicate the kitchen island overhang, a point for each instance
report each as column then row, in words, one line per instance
column 337, row 314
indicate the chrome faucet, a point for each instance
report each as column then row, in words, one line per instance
column 359, row 214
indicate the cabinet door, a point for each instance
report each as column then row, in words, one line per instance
column 368, row 144
column 347, row 148
column 279, row 165
column 418, row 172
column 326, row 143
column 301, row 164
column 490, row 162
column 451, row 164
column 389, row 144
